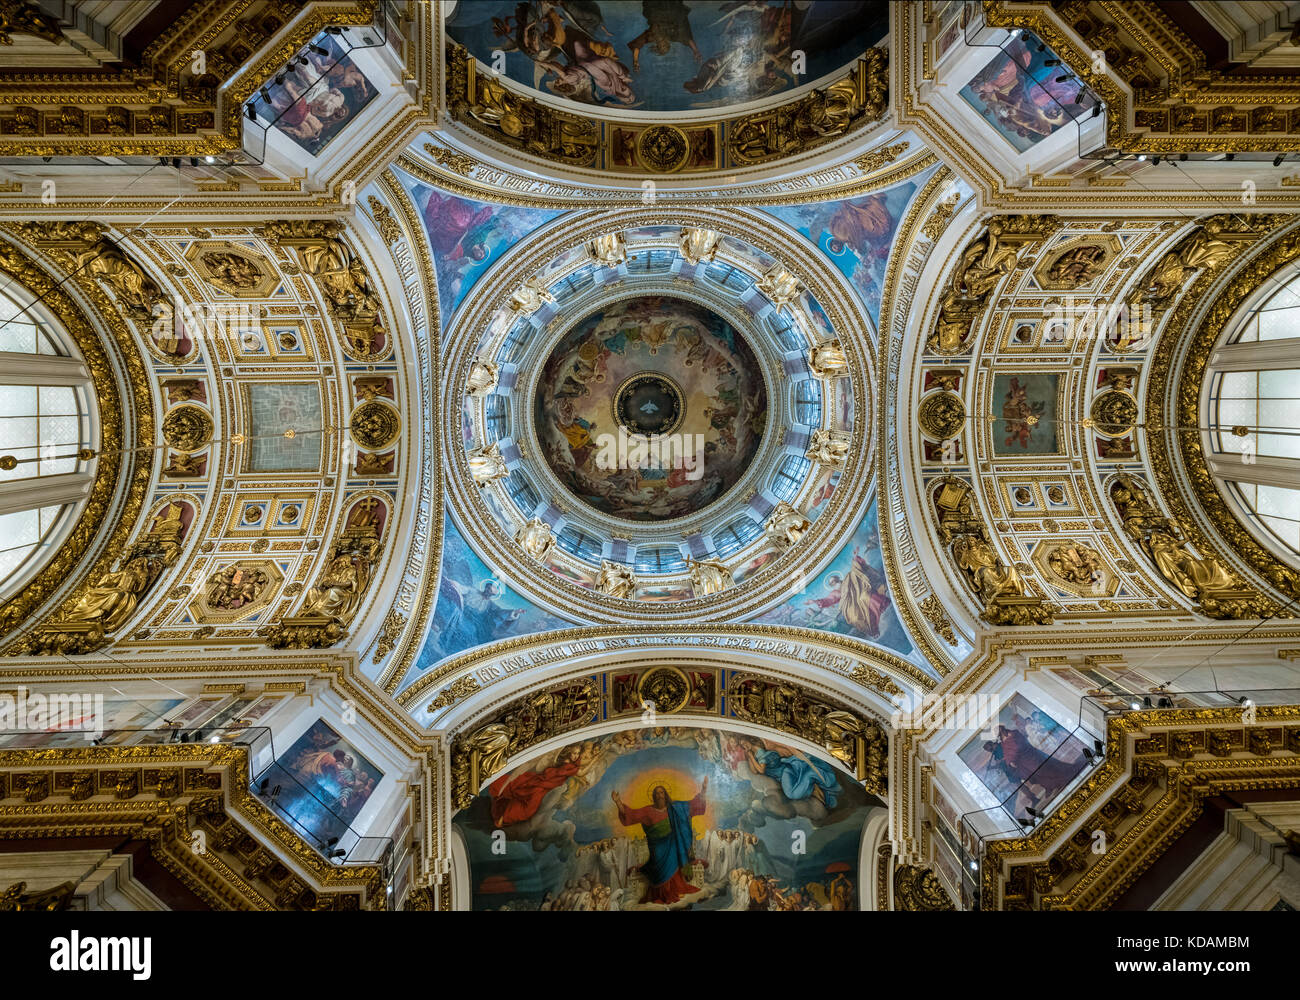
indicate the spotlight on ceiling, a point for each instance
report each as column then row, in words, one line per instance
column 1146, row 702
column 209, row 159
column 318, row 50
column 1096, row 110
column 1078, row 98
column 279, row 79
column 1277, row 160
column 1099, row 748
column 1155, row 161
column 974, row 865
column 1063, row 77
column 1135, row 704
column 1142, row 157
column 252, row 115
column 1165, row 703
column 1182, row 157
column 1051, row 62
column 1088, row 755
column 1229, row 156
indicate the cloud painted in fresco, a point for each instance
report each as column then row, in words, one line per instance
column 474, row 606
column 467, row 236
column 850, row 596
column 856, row 234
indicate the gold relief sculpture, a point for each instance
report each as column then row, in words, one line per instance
column 374, row 425
column 608, row 250
column 236, row 586
column 1218, row 591
column 779, row 285
column 375, row 464
column 112, row 599
column 828, row 360
column 939, row 218
column 698, row 245
column 709, row 576
column 519, row 122
column 332, row 602
column 461, row 687
column 529, row 297
column 482, row 378
column 85, row 246
column 807, row 122
column 1217, row 240
column 786, row 526
column 616, row 580
column 486, row 464
column 187, row 428
column 667, row 689
column 663, row 149
column 457, row 163
column 16, row 898
column 536, row 539
column 998, row 585
column 942, row 415
column 1114, row 413
column 919, row 889
column 182, row 465
column 232, row 272
column 17, row 17
column 389, row 632
column 829, row 448
column 1077, row 266
column 850, row 738
column 1077, row 564
column 875, row 679
column 535, row 718
column 874, row 159
column 342, row 279
column 983, row 264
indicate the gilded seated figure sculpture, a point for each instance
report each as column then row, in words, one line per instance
column 989, row 575
column 113, row 598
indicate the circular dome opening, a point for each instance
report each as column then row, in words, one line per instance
column 650, row 409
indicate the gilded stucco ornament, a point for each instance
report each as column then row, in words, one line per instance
column 374, row 425
column 698, row 245
column 332, row 601
column 482, row 378
column 779, row 285
column 486, row 464
column 529, row 297
column 107, row 605
column 187, row 428
column 608, row 249
column 828, row 360
column 998, row 584
column 919, row 889
column 942, row 415
column 828, row 447
column 86, row 246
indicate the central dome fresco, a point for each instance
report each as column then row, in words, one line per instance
column 650, row 408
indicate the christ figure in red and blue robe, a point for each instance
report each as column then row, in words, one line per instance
column 668, row 833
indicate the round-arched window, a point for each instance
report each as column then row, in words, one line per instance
column 47, row 415
column 1253, row 411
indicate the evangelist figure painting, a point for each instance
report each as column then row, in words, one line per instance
column 1023, row 97
column 467, row 236
column 850, row 596
column 324, row 781
column 1029, row 760
column 474, row 606
column 668, row 819
column 313, row 103
column 664, row 55
column 857, row 234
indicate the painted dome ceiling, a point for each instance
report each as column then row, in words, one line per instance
column 650, row 409
column 666, row 57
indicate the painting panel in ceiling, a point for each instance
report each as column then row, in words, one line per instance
column 668, row 818
column 1030, row 759
column 324, row 782
column 666, row 56
column 313, row 103
column 1026, row 93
